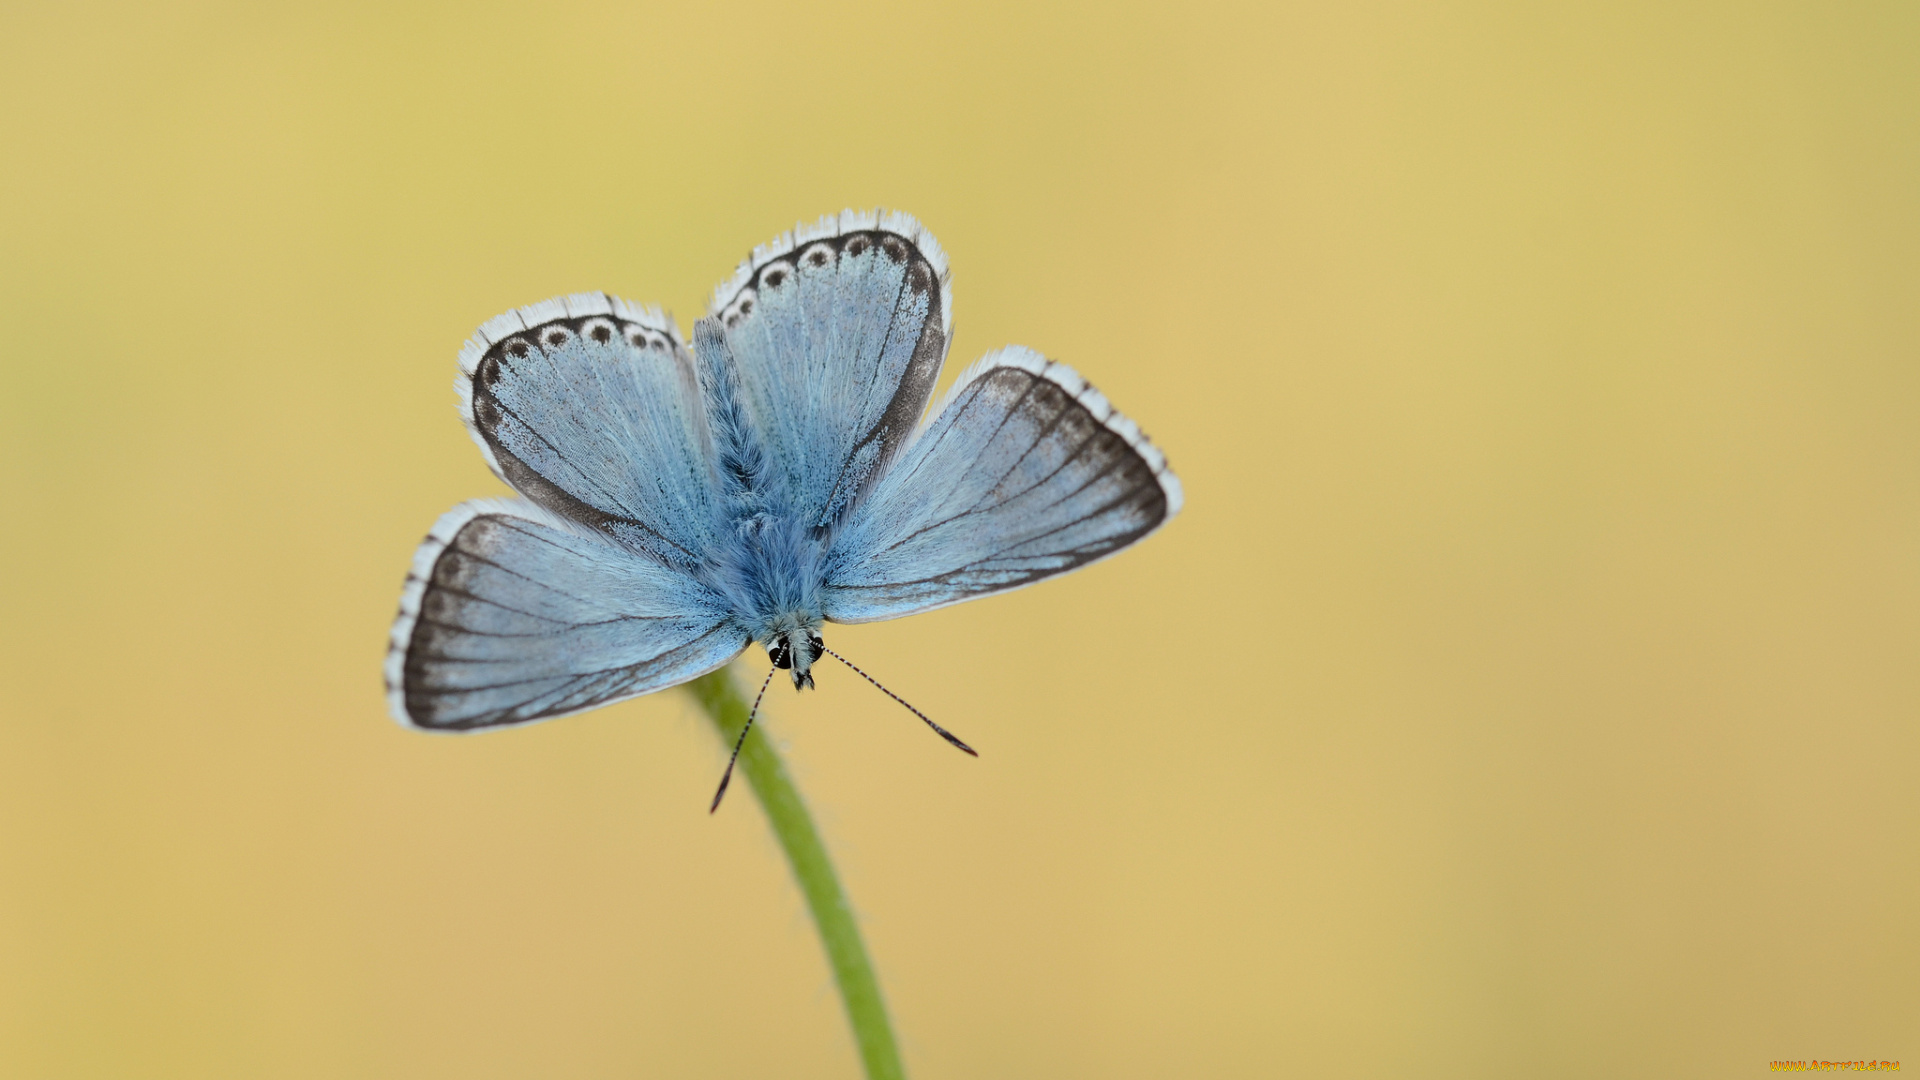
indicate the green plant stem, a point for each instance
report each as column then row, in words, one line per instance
column 720, row 696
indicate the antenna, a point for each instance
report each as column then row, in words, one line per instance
column 727, row 776
column 943, row 732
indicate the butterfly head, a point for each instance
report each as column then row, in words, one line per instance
column 797, row 650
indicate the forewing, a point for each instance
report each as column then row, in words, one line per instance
column 838, row 332
column 1024, row 472
column 511, row 615
column 589, row 406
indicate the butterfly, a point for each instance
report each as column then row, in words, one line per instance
column 679, row 504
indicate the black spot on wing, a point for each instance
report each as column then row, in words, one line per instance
column 875, row 447
column 491, row 417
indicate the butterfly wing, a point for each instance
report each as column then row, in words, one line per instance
column 589, row 406
column 1024, row 472
column 512, row 614
column 838, row 332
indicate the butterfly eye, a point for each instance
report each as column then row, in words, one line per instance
column 815, row 646
column 781, row 656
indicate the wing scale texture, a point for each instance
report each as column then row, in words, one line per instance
column 1024, row 472
column 512, row 615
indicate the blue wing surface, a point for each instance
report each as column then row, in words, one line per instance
column 838, row 332
column 590, row 407
column 1024, row 472
column 512, row 614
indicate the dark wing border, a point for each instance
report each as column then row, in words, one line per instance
column 832, row 227
column 897, row 423
column 642, row 325
column 1097, row 407
column 420, row 576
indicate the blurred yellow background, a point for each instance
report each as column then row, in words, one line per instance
column 1528, row 689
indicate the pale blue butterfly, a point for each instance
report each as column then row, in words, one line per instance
column 679, row 505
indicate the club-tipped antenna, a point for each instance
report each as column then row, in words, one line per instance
column 942, row 732
column 727, row 776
